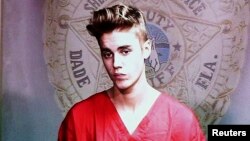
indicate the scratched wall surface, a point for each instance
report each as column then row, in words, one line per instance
column 30, row 107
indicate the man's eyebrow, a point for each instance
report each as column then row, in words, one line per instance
column 124, row 47
column 105, row 49
column 120, row 47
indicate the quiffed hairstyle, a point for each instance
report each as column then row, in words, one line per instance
column 117, row 17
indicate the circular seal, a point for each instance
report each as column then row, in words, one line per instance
column 196, row 55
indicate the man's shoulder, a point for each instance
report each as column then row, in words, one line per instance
column 170, row 100
column 91, row 102
column 185, row 123
column 175, row 105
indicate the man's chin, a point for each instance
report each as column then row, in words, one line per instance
column 122, row 85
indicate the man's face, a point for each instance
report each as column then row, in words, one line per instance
column 123, row 57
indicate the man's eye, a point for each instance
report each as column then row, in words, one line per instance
column 125, row 52
column 106, row 54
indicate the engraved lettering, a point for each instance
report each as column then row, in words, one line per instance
column 152, row 81
column 157, row 80
column 79, row 71
column 76, row 54
column 170, row 69
column 206, row 76
column 150, row 15
column 196, row 6
column 76, row 64
column 210, row 66
column 168, row 25
column 159, row 19
column 160, row 77
column 199, row 9
column 191, row 5
column 83, row 81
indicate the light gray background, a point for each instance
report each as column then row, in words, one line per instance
column 30, row 112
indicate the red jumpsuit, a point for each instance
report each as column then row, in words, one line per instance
column 96, row 119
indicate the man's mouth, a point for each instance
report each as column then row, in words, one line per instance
column 119, row 76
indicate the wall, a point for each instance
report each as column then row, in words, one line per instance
column 238, row 112
column 29, row 109
column 30, row 112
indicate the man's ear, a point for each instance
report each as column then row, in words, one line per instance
column 147, row 48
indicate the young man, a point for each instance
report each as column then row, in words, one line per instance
column 131, row 110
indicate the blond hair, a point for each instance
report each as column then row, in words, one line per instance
column 117, row 17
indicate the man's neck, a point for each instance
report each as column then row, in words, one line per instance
column 133, row 98
column 133, row 107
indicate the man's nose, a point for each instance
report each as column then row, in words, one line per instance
column 117, row 61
